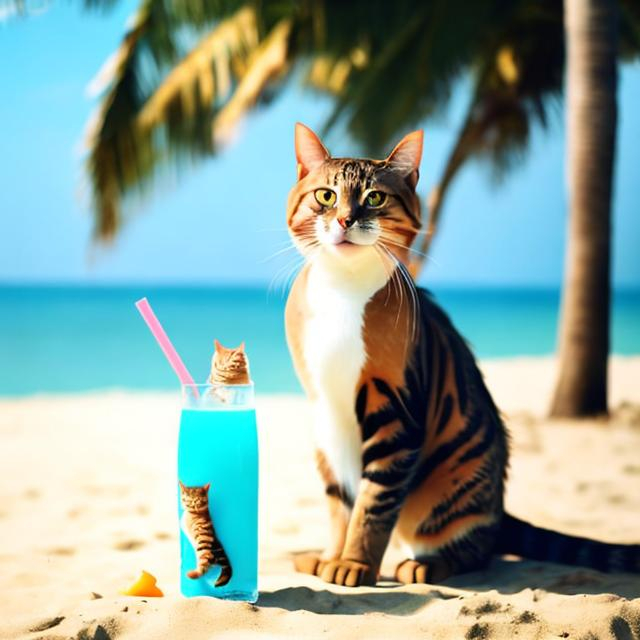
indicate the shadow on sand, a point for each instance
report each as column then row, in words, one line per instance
column 503, row 575
column 514, row 575
column 384, row 599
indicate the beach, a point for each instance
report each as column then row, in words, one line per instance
column 88, row 500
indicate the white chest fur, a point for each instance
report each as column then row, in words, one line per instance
column 334, row 352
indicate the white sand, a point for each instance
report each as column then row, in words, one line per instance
column 87, row 500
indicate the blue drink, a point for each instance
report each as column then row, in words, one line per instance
column 218, row 446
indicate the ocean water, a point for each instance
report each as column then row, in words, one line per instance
column 65, row 339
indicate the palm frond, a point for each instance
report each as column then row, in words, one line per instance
column 519, row 78
column 267, row 64
column 629, row 30
column 203, row 78
column 329, row 73
column 16, row 9
column 139, row 126
column 99, row 5
column 421, row 50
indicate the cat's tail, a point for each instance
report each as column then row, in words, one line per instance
column 535, row 543
column 225, row 576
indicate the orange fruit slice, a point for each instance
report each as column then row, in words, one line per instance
column 145, row 585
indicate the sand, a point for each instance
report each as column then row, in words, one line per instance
column 87, row 499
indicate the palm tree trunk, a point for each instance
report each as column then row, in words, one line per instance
column 591, row 31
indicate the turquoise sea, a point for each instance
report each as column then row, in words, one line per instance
column 62, row 339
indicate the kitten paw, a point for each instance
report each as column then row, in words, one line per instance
column 310, row 563
column 348, row 573
column 195, row 574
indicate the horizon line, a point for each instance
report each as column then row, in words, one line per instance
column 263, row 284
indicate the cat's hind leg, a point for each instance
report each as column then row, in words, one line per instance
column 469, row 552
column 204, row 560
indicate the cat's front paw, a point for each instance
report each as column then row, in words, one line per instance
column 416, row 572
column 348, row 573
column 412, row 572
column 310, row 563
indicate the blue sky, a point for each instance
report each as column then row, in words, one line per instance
column 226, row 217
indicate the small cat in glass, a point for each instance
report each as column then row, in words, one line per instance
column 198, row 527
column 228, row 367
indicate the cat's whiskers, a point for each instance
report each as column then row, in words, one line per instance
column 407, row 227
column 306, row 237
column 391, row 240
column 417, row 232
column 288, row 271
column 397, row 285
column 291, row 246
column 395, row 281
column 290, row 243
column 313, row 249
column 308, row 244
column 388, row 270
column 406, row 282
column 265, row 229
column 283, row 274
column 414, row 298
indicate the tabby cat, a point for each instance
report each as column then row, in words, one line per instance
column 408, row 437
column 198, row 527
column 229, row 366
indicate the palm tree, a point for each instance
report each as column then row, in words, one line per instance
column 592, row 30
column 188, row 70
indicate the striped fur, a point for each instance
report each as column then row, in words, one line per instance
column 229, row 366
column 523, row 539
column 409, row 439
column 198, row 527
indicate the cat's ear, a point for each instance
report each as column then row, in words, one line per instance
column 206, row 487
column 218, row 347
column 310, row 152
column 241, row 347
column 181, row 485
column 406, row 156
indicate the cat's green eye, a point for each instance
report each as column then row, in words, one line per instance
column 325, row 197
column 376, row 198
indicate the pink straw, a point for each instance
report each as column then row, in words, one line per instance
column 165, row 344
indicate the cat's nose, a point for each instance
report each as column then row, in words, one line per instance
column 345, row 222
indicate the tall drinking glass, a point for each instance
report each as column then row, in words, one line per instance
column 218, row 457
